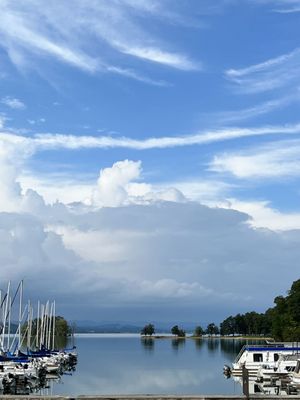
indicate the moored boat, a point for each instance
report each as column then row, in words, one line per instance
column 254, row 357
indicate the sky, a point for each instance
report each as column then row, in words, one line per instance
column 150, row 155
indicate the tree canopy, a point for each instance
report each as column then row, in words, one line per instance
column 148, row 330
column 212, row 329
column 62, row 328
column 177, row 331
column 282, row 321
column 199, row 331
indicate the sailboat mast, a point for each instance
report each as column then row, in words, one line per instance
column 47, row 324
column 28, row 326
column 37, row 326
column 5, row 313
column 20, row 313
column 54, row 320
column 42, row 326
column 9, row 324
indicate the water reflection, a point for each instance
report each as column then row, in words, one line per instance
column 213, row 344
column 111, row 364
column 178, row 343
column 230, row 346
column 148, row 343
column 199, row 343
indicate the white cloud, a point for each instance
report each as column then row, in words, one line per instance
column 278, row 72
column 158, row 56
column 116, row 186
column 275, row 160
column 135, row 75
column 72, row 142
column 206, row 191
column 12, row 153
column 53, row 187
column 286, row 6
column 112, row 186
column 13, row 103
column 28, row 31
column 166, row 252
column 157, row 254
column 263, row 215
column 81, row 187
column 259, row 109
column 2, row 121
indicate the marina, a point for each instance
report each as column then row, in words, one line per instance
column 29, row 358
column 33, row 362
column 271, row 368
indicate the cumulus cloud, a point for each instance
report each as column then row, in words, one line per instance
column 9, row 187
column 166, row 253
column 112, row 186
column 133, row 250
column 157, row 256
column 116, row 186
column 264, row 215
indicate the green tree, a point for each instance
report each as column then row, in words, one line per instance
column 148, row 330
column 62, row 328
column 228, row 326
column 177, row 331
column 282, row 321
column 198, row 331
column 212, row 329
column 293, row 302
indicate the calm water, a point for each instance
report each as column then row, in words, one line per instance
column 126, row 364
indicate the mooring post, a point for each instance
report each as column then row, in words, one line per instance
column 245, row 377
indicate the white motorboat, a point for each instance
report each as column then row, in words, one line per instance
column 254, row 357
column 281, row 369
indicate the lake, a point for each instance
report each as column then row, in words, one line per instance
column 127, row 364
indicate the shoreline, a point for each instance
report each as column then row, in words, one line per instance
column 206, row 337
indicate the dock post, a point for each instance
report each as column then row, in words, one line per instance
column 245, row 378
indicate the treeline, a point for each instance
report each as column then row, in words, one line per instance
column 62, row 328
column 282, row 321
column 210, row 330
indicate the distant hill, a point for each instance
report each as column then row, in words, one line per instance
column 127, row 327
column 107, row 328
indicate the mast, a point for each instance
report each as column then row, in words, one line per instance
column 20, row 312
column 47, row 324
column 38, row 321
column 42, row 325
column 9, row 324
column 53, row 337
column 28, row 325
column 5, row 314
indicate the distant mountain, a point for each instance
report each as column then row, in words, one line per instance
column 107, row 328
column 87, row 326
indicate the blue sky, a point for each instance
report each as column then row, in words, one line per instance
column 115, row 105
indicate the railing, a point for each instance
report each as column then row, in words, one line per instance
column 254, row 347
column 240, row 353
